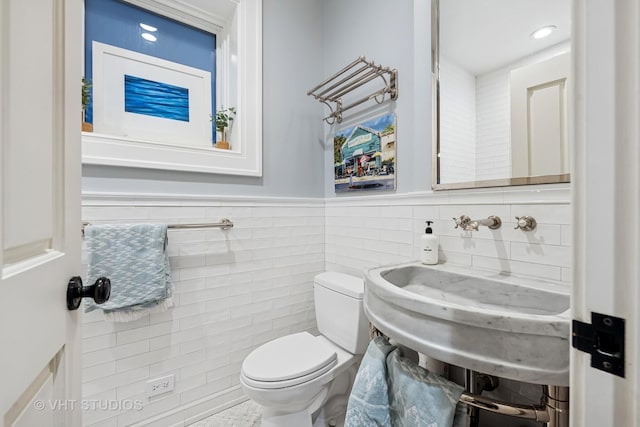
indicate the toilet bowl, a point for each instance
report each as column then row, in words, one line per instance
column 302, row 380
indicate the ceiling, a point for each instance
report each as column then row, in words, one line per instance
column 483, row 35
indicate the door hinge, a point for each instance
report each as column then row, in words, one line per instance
column 603, row 339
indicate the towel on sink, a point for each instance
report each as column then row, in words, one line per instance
column 393, row 391
column 134, row 257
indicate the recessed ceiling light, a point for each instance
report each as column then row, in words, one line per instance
column 148, row 27
column 149, row 37
column 543, row 32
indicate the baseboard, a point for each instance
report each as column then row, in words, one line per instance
column 187, row 414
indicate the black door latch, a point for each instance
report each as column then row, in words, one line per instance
column 603, row 339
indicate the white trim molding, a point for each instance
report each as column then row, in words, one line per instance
column 531, row 194
column 184, row 12
column 139, row 199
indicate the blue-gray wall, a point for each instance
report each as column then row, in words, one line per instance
column 292, row 127
column 304, row 41
column 396, row 34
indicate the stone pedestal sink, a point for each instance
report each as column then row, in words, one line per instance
column 497, row 324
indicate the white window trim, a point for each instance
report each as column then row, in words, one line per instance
column 246, row 156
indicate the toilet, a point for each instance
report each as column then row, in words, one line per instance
column 303, row 380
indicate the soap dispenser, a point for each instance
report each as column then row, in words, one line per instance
column 429, row 246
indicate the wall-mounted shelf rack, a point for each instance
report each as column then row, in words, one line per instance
column 331, row 91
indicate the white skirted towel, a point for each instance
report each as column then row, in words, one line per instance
column 134, row 257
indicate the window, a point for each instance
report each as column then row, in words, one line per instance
column 158, row 77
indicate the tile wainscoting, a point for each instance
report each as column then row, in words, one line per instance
column 239, row 288
column 234, row 290
column 366, row 232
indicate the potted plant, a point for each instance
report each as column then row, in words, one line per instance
column 86, row 98
column 224, row 120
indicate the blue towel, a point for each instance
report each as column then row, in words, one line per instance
column 134, row 257
column 392, row 391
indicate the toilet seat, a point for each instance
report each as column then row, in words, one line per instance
column 288, row 361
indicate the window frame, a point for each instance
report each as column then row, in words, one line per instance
column 245, row 157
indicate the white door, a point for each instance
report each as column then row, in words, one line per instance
column 40, row 85
column 606, row 189
column 539, row 143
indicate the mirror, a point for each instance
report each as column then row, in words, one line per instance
column 500, row 92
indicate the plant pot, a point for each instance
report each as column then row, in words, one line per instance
column 222, row 143
column 86, row 127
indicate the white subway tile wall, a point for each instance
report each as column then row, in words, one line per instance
column 457, row 123
column 234, row 290
column 240, row 288
column 360, row 237
column 493, row 127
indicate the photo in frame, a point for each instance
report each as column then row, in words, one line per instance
column 147, row 98
column 365, row 156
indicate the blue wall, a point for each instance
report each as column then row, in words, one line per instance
column 115, row 23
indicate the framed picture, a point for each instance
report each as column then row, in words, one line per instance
column 143, row 97
column 365, row 156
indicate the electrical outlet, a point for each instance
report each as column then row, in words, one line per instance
column 160, row 385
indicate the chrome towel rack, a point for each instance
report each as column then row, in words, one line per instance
column 331, row 91
column 224, row 224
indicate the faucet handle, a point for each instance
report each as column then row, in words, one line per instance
column 472, row 226
column 463, row 221
column 525, row 223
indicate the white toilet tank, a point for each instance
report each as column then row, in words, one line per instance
column 340, row 310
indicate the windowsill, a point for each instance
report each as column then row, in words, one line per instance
column 100, row 149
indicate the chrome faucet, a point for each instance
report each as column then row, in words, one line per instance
column 468, row 224
column 463, row 221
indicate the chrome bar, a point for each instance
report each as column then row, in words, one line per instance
column 530, row 412
column 338, row 112
column 352, row 85
column 344, row 70
column 557, row 401
column 224, row 223
column 321, row 96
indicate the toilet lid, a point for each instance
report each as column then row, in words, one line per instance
column 292, row 359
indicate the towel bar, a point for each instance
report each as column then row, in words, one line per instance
column 530, row 412
column 553, row 410
column 224, row 223
column 331, row 91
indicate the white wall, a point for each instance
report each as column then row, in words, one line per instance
column 234, row 290
column 363, row 233
column 292, row 129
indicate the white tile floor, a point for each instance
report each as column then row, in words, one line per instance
column 247, row 414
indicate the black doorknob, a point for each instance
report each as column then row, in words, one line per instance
column 99, row 291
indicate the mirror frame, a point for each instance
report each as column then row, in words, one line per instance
column 435, row 114
column 245, row 158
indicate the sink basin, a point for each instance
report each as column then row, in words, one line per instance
column 500, row 325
